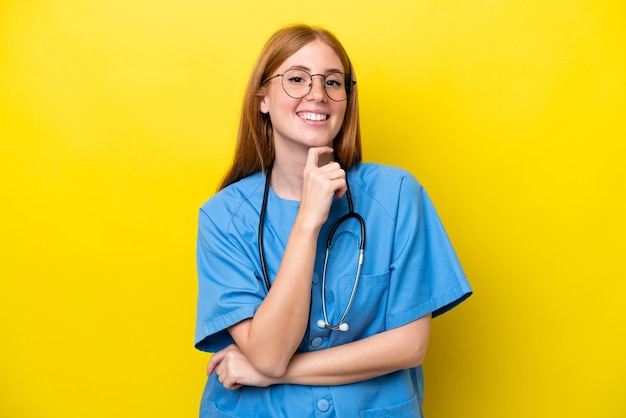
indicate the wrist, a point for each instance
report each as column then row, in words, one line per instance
column 306, row 227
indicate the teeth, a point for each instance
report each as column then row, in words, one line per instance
column 313, row 116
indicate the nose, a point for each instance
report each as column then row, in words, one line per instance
column 317, row 89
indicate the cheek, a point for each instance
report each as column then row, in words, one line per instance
column 340, row 111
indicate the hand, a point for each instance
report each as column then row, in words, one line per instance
column 320, row 185
column 234, row 370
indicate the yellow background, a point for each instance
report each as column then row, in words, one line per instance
column 117, row 121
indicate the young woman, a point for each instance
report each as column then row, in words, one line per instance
column 318, row 274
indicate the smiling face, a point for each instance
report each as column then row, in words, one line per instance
column 313, row 120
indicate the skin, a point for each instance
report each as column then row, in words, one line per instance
column 304, row 170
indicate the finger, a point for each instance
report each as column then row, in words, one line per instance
column 221, row 374
column 228, row 380
column 313, row 156
column 216, row 359
column 230, row 385
column 213, row 363
column 341, row 188
column 333, row 171
column 337, row 176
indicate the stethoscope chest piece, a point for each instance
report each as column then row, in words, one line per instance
column 342, row 326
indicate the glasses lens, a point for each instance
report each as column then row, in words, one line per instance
column 335, row 86
column 297, row 83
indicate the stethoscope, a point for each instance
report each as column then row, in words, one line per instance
column 322, row 323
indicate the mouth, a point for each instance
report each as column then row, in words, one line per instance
column 317, row 117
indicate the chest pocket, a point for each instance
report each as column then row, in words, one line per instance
column 369, row 305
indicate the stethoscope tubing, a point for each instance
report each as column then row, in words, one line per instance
column 341, row 325
column 356, row 279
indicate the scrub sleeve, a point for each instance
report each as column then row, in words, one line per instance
column 426, row 275
column 228, row 290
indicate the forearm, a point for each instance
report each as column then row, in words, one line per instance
column 371, row 357
column 280, row 322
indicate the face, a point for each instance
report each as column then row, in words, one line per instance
column 313, row 120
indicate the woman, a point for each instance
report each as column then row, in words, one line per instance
column 296, row 332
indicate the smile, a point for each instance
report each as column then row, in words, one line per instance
column 312, row 116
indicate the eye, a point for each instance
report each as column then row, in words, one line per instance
column 333, row 83
column 297, row 77
column 335, row 80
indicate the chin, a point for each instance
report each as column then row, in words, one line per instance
column 319, row 142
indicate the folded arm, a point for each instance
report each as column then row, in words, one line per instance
column 380, row 354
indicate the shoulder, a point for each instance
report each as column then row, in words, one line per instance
column 234, row 198
column 388, row 190
column 382, row 180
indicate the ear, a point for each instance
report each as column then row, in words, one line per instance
column 263, row 102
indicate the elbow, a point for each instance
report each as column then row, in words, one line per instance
column 419, row 337
column 412, row 357
column 272, row 368
column 417, row 355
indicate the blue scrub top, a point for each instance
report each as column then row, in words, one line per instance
column 409, row 270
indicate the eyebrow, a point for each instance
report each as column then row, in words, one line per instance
column 307, row 69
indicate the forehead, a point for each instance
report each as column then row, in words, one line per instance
column 315, row 56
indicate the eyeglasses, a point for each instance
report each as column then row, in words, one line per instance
column 298, row 83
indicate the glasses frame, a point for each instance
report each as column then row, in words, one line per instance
column 348, row 86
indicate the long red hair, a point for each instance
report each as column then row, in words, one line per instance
column 255, row 148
